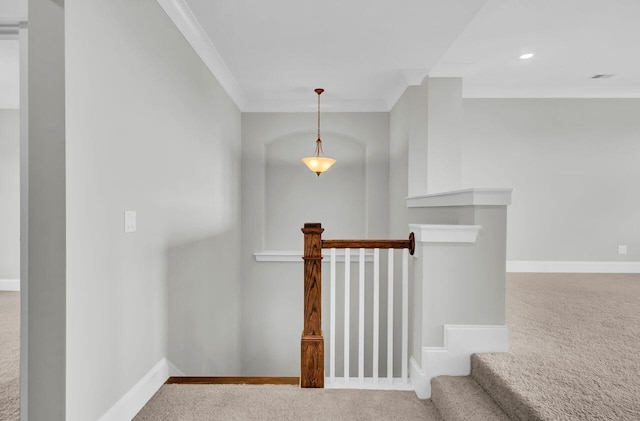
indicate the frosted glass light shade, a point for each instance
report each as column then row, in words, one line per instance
column 318, row 164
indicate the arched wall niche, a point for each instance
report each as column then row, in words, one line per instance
column 294, row 195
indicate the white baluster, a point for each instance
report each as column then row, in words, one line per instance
column 361, row 318
column 405, row 313
column 347, row 287
column 390, row 319
column 332, row 350
column 376, row 312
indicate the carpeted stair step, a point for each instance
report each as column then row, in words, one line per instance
column 463, row 399
column 517, row 407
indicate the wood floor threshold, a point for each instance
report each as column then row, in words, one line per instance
column 233, row 380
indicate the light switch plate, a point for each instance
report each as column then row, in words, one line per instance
column 129, row 221
column 622, row 249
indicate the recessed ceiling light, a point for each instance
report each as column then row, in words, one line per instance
column 526, row 56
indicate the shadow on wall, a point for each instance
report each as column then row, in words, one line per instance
column 204, row 305
column 294, row 195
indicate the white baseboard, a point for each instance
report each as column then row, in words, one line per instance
column 9, row 284
column 536, row 266
column 416, row 375
column 367, row 383
column 454, row 358
column 132, row 402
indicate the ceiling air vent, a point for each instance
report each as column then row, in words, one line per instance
column 602, row 76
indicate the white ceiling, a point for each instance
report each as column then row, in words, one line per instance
column 572, row 41
column 270, row 55
column 359, row 50
column 9, row 74
column 278, row 51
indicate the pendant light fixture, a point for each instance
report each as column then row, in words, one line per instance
column 318, row 163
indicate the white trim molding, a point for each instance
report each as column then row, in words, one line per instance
column 368, row 384
column 296, row 256
column 183, row 18
column 538, row 266
column 429, row 233
column 466, row 197
column 256, row 105
column 132, row 402
column 454, row 358
column 9, row 284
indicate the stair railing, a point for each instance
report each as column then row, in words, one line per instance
column 312, row 343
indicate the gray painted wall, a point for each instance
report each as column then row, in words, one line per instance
column 289, row 195
column 13, row 9
column 150, row 130
column 45, row 263
column 574, row 166
column 9, row 194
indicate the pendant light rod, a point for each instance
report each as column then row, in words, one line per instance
column 318, row 163
column 319, row 91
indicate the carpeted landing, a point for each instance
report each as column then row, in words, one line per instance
column 574, row 353
column 180, row 402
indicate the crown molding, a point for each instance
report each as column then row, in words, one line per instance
column 465, row 197
column 414, row 77
column 185, row 21
column 293, row 105
column 183, row 18
column 406, row 78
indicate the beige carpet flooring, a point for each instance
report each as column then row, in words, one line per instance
column 575, row 346
column 178, row 402
column 9, row 355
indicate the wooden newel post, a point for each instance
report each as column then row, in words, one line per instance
column 312, row 343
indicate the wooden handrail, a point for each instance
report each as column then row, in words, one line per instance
column 372, row 244
column 312, row 340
